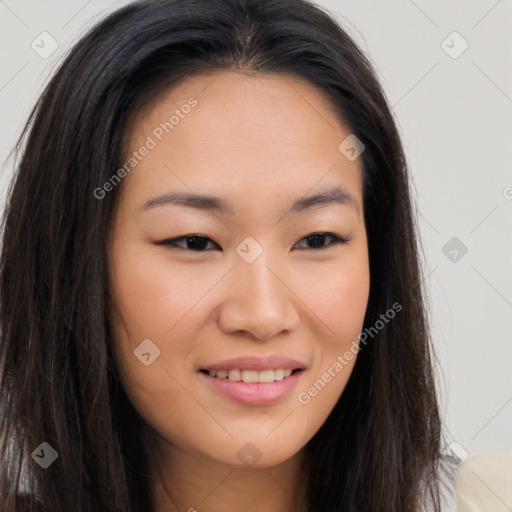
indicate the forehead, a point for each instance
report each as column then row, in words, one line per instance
column 268, row 133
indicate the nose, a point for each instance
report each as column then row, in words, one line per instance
column 258, row 300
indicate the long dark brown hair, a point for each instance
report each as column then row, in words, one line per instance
column 379, row 450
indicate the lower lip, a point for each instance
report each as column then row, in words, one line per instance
column 253, row 393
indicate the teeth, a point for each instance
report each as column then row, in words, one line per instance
column 265, row 376
column 235, row 375
column 251, row 375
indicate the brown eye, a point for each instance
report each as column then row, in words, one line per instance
column 317, row 240
column 195, row 243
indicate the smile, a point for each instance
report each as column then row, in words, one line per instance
column 238, row 375
column 252, row 387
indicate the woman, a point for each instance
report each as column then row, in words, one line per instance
column 210, row 289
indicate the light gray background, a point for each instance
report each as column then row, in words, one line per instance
column 455, row 117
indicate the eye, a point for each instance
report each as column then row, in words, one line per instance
column 317, row 240
column 197, row 243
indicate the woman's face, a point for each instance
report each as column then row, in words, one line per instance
column 253, row 285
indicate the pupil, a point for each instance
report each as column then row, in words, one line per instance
column 196, row 242
column 317, row 240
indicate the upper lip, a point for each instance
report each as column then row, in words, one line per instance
column 260, row 363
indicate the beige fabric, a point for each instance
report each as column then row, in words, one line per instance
column 484, row 483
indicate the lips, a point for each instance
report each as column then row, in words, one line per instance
column 254, row 380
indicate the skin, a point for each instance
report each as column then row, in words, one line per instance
column 260, row 142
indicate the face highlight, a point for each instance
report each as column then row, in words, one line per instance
column 238, row 251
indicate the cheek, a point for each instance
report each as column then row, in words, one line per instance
column 339, row 299
column 342, row 305
column 337, row 295
column 152, row 301
column 149, row 294
column 154, row 293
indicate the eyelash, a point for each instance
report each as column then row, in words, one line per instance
column 172, row 242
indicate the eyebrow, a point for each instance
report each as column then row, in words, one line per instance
column 336, row 195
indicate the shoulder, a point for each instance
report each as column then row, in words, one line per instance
column 484, row 483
